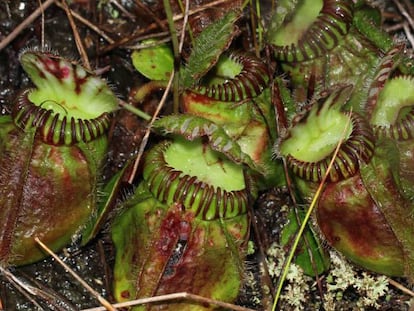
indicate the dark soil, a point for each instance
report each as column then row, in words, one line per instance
column 54, row 288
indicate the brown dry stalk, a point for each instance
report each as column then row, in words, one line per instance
column 107, row 305
column 16, row 31
column 22, row 287
column 78, row 40
column 401, row 287
column 405, row 13
column 88, row 24
column 123, row 42
column 148, row 131
column 174, row 296
column 122, row 9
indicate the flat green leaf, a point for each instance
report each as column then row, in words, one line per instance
column 319, row 257
column 155, row 63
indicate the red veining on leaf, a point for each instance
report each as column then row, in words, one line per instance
column 11, row 183
column 125, row 294
column 169, row 233
column 353, row 224
column 191, row 97
column 80, row 81
column 55, row 67
column 47, row 198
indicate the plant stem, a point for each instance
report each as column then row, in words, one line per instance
column 176, row 49
column 134, row 110
column 305, row 221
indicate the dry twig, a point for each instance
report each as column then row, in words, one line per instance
column 107, row 305
column 16, row 31
column 175, row 296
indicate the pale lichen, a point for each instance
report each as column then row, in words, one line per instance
column 343, row 276
column 297, row 288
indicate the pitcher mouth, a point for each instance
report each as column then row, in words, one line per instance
column 68, row 104
column 322, row 32
column 205, row 198
column 357, row 148
column 311, row 142
column 393, row 112
column 248, row 82
column 56, row 128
